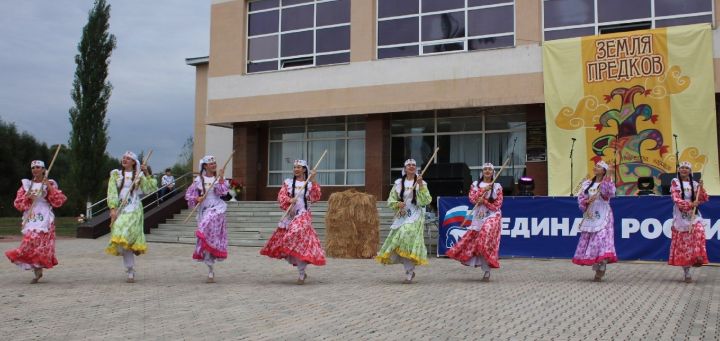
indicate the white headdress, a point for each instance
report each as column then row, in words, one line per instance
column 134, row 157
column 302, row 163
column 686, row 164
column 602, row 164
column 205, row 160
column 36, row 163
column 409, row 162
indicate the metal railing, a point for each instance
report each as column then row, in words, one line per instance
column 149, row 200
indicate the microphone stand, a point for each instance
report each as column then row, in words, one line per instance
column 572, row 147
column 512, row 163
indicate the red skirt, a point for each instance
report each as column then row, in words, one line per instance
column 37, row 250
column 298, row 240
column 484, row 243
column 688, row 248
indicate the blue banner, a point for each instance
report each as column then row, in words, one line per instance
column 547, row 227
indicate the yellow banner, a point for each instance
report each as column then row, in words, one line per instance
column 621, row 98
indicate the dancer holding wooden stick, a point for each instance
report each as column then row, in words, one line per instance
column 125, row 190
column 596, row 246
column 295, row 240
column 205, row 192
column 688, row 245
column 406, row 242
column 480, row 245
column 36, row 198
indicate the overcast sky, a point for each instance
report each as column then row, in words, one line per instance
column 153, row 97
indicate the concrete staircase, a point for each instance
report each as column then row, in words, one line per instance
column 251, row 223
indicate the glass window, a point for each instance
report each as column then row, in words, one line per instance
column 568, row 12
column 675, row 7
column 297, row 33
column 441, row 5
column 344, row 163
column 332, row 39
column 297, row 43
column 398, row 31
column 394, row 8
column 333, row 13
column 576, row 18
column 263, row 23
column 471, row 135
column 296, row 18
column 618, row 10
column 442, row 26
column 263, row 47
column 488, row 21
column 400, row 51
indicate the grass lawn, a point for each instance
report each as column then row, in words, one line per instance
column 64, row 226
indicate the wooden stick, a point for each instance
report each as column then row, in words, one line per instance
column 429, row 162
column 45, row 177
column 136, row 180
column 492, row 185
column 317, row 164
column 695, row 201
column 209, row 189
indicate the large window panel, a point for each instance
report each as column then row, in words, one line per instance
column 492, row 20
column 618, row 10
column 263, row 4
column 419, row 148
column 443, row 26
column 333, row 39
column 263, row 23
column 344, row 163
column 576, row 18
column 298, row 43
column 285, row 34
column 263, row 47
column 297, row 18
column 394, row 8
column 332, row 13
column 568, row 12
column 398, row 31
column 465, row 148
column 675, row 7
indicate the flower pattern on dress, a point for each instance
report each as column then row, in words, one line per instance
column 297, row 241
column 687, row 248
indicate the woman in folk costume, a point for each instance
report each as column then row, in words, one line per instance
column 124, row 194
column 406, row 244
column 597, row 243
column 211, row 233
column 36, row 199
column 687, row 247
column 295, row 239
column 480, row 245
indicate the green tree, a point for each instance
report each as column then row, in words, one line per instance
column 90, row 94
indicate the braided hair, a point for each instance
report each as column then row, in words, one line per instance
column 692, row 187
column 201, row 177
column 292, row 194
column 122, row 182
column 402, row 189
column 587, row 189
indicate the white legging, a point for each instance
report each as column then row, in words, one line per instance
column 128, row 258
column 478, row 260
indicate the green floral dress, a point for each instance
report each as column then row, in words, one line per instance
column 406, row 238
column 128, row 232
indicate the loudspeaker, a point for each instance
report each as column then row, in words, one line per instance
column 448, row 180
column 508, row 184
column 666, row 179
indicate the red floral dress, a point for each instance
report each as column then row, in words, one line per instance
column 687, row 247
column 483, row 236
column 295, row 239
column 37, row 249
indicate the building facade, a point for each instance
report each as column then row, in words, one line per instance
column 375, row 82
